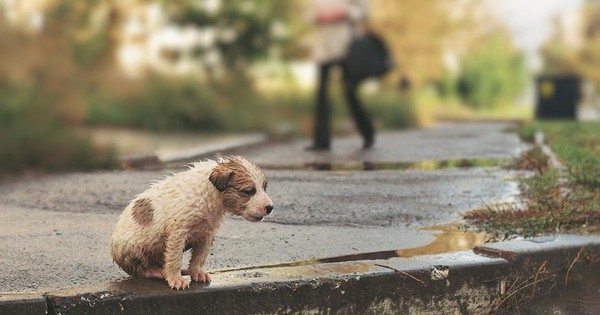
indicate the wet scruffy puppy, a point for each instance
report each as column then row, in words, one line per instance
column 184, row 211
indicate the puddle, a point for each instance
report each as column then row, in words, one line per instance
column 378, row 166
column 449, row 239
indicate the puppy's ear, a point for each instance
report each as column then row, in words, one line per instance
column 220, row 177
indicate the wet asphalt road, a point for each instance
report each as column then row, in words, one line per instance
column 55, row 229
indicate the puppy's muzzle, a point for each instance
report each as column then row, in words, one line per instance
column 269, row 209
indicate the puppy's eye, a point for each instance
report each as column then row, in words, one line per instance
column 249, row 192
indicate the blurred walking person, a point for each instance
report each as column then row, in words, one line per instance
column 336, row 23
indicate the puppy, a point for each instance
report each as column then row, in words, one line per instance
column 182, row 212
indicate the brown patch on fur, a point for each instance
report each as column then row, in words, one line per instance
column 142, row 212
column 235, row 201
column 240, row 180
column 220, row 177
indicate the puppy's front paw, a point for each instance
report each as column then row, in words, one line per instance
column 178, row 283
column 200, row 276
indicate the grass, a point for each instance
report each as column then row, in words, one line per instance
column 578, row 144
column 33, row 137
column 555, row 200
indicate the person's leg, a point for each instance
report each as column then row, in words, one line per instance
column 361, row 118
column 322, row 129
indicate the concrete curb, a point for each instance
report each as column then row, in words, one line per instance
column 216, row 148
column 468, row 282
column 154, row 161
column 539, row 140
column 22, row 303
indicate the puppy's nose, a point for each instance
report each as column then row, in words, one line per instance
column 269, row 209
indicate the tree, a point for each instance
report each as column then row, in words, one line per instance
column 560, row 57
column 419, row 32
column 241, row 31
column 73, row 55
column 589, row 54
column 494, row 74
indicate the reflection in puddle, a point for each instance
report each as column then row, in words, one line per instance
column 450, row 239
column 374, row 166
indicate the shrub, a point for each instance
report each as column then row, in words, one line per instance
column 163, row 105
column 32, row 137
column 494, row 75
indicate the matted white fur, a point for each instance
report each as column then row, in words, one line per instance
column 184, row 211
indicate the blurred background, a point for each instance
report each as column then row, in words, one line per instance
column 84, row 82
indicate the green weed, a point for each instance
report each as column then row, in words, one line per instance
column 554, row 202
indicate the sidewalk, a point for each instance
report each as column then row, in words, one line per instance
column 144, row 149
column 54, row 230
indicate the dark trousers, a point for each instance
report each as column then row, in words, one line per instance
column 322, row 132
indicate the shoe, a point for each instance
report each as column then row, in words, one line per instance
column 369, row 142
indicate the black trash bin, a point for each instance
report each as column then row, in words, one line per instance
column 557, row 97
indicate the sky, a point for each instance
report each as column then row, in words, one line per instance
column 529, row 21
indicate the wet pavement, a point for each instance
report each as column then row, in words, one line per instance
column 55, row 229
column 446, row 142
